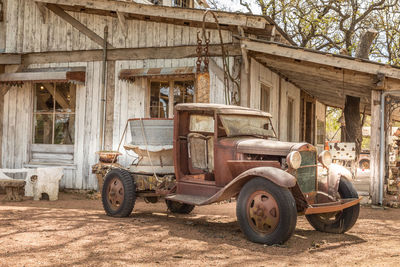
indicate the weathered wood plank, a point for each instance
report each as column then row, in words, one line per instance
column 10, row 59
column 11, row 30
column 126, row 54
column 122, row 23
column 78, row 25
column 317, row 58
column 108, row 139
column 375, row 145
column 57, row 149
column 235, row 19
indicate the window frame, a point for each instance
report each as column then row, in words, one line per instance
column 54, row 113
column 171, row 81
column 190, row 3
column 290, row 129
column 267, row 88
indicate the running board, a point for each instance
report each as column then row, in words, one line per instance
column 332, row 206
column 189, row 199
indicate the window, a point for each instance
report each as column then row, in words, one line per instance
column 164, row 95
column 265, row 98
column 290, row 119
column 157, row 2
column 54, row 113
column 183, row 3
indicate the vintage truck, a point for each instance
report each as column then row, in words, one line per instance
column 211, row 153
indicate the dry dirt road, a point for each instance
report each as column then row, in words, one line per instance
column 75, row 231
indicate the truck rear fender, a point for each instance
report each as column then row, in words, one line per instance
column 275, row 175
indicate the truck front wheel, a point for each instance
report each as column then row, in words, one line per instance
column 341, row 221
column 118, row 195
column 266, row 212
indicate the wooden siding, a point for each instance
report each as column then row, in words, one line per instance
column 129, row 102
column 17, row 123
column 3, row 30
column 17, row 118
column 262, row 75
column 26, row 33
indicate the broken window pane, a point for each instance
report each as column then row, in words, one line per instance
column 65, row 97
column 43, row 124
column 44, row 99
column 183, row 92
column 64, row 129
column 159, row 98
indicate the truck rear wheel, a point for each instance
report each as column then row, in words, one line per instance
column 118, row 195
column 266, row 212
column 341, row 221
column 177, row 207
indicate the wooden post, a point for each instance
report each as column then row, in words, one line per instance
column 108, row 138
column 244, row 83
column 1, row 125
column 375, row 145
column 2, row 93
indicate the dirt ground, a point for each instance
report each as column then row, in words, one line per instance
column 75, row 231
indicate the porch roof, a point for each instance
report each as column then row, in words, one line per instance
column 325, row 76
column 182, row 72
column 74, row 75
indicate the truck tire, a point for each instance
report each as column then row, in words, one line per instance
column 338, row 222
column 118, row 194
column 266, row 212
column 177, row 207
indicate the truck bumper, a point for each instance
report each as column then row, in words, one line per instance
column 332, row 206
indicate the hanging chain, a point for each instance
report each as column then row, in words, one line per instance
column 199, row 52
column 202, row 53
column 206, row 53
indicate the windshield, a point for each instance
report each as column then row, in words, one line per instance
column 237, row 125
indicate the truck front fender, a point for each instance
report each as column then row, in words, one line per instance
column 275, row 175
column 330, row 183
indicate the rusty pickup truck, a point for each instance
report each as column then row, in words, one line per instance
column 211, row 153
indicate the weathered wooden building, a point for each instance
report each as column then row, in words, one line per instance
column 52, row 82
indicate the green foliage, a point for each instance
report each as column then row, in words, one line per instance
column 337, row 25
column 333, row 124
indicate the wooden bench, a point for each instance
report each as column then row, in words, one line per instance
column 14, row 189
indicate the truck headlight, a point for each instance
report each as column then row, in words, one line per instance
column 325, row 158
column 294, row 160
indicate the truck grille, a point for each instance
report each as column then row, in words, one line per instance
column 307, row 173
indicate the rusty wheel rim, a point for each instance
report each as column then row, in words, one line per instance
column 115, row 193
column 262, row 212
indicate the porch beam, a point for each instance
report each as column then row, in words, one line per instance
column 10, row 59
column 77, row 25
column 173, row 52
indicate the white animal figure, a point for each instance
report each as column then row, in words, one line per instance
column 44, row 180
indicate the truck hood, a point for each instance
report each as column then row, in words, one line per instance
column 269, row 147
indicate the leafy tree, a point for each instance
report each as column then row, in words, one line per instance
column 333, row 25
